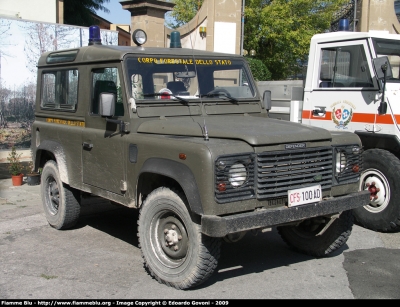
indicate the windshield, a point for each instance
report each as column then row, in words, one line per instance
column 391, row 49
column 184, row 77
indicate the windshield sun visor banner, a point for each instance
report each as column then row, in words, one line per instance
column 146, row 60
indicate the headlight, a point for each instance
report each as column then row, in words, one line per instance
column 234, row 177
column 341, row 161
column 237, row 174
column 347, row 163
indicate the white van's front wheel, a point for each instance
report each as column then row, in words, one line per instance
column 381, row 177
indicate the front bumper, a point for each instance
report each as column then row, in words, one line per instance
column 217, row 226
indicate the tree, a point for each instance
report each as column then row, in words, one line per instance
column 79, row 12
column 5, row 94
column 280, row 31
column 5, row 35
column 42, row 37
column 258, row 69
column 184, row 11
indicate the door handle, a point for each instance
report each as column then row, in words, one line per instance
column 87, row 145
column 319, row 111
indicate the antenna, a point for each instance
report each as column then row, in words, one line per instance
column 204, row 128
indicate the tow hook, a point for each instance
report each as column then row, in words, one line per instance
column 331, row 220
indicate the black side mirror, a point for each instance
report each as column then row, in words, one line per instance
column 266, row 103
column 382, row 68
column 383, row 71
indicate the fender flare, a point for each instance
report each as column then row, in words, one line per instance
column 181, row 174
column 388, row 142
column 57, row 150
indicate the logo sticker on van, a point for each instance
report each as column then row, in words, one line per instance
column 342, row 115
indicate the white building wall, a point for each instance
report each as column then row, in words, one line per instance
column 37, row 10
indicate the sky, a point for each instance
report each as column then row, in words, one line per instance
column 117, row 14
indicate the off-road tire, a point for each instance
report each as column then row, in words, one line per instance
column 307, row 240
column 164, row 212
column 382, row 214
column 61, row 203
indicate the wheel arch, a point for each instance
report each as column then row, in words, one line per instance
column 172, row 172
column 51, row 150
column 387, row 142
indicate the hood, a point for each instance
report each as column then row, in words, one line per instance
column 251, row 129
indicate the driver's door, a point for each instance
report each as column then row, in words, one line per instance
column 104, row 146
column 344, row 92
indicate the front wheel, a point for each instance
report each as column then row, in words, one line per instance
column 319, row 236
column 61, row 203
column 381, row 177
column 174, row 250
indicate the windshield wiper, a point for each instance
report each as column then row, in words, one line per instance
column 224, row 95
column 181, row 99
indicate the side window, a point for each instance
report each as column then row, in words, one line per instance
column 60, row 90
column 137, row 86
column 344, row 66
column 391, row 49
column 394, row 60
column 106, row 80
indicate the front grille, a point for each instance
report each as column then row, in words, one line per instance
column 271, row 174
column 280, row 171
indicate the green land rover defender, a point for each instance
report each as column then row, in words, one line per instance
column 184, row 136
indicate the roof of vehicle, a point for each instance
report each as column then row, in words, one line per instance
column 348, row 35
column 108, row 53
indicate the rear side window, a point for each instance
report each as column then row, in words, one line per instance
column 60, row 90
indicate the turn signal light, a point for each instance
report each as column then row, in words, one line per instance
column 221, row 187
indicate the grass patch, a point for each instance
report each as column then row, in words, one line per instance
column 7, row 204
column 48, row 276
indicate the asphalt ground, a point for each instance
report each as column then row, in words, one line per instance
column 100, row 259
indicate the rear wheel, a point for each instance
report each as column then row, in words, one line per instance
column 174, row 250
column 60, row 201
column 381, row 176
column 319, row 236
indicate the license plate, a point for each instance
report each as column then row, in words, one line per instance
column 304, row 196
